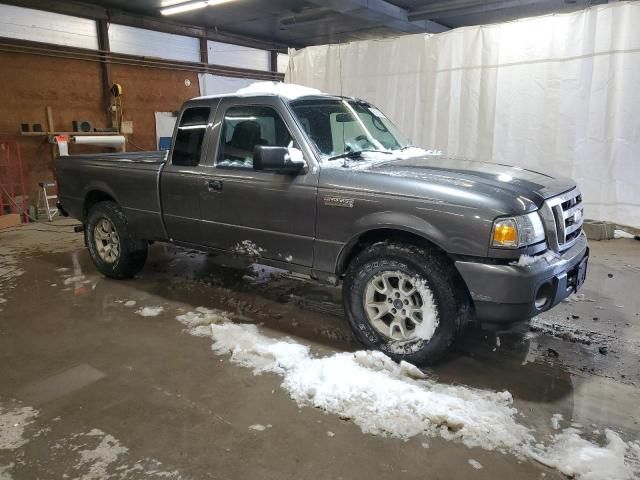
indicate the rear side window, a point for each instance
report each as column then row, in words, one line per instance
column 193, row 125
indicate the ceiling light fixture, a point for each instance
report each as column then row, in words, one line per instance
column 188, row 6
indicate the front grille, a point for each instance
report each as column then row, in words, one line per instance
column 562, row 217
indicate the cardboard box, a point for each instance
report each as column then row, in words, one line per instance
column 10, row 220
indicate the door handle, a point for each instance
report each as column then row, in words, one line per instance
column 214, row 185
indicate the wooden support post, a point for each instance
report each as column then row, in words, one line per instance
column 204, row 51
column 105, row 51
column 273, row 61
column 50, row 131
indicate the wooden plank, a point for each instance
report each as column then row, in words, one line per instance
column 75, row 134
column 9, row 220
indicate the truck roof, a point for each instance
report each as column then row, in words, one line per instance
column 287, row 91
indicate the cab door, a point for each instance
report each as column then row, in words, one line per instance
column 182, row 179
column 250, row 211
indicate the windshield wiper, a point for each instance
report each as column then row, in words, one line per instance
column 357, row 154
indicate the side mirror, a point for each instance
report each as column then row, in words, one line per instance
column 276, row 159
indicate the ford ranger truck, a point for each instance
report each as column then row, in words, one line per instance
column 422, row 243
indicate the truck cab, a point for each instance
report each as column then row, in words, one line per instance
column 324, row 185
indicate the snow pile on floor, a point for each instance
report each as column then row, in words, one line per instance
column 150, row 311
column 198, row 323
column 386, row 398
column 576, row 457
column 5, row 471
column 13, row 420
column 290, row 91
column 103, row 456
column 9, row 272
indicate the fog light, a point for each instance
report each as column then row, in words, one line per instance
column 543, row 295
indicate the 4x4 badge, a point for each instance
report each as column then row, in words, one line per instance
column 332, row 201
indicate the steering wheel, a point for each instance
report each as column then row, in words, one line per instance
column 366, row 143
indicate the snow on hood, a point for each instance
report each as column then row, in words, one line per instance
column 289, row 91
column 369, row 158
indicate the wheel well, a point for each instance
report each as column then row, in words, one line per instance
column 371, row 237
column 382, row 235
column 93, row 197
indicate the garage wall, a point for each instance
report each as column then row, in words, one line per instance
column 72, row 88
column 555, row 93
column 158, row 72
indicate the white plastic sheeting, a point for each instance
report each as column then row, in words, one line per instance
column 47, row 27
column 217, row 85
column 555, row 93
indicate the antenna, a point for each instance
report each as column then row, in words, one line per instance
column 344, row 143
column 340, row 63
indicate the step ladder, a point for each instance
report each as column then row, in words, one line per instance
column 44, row 207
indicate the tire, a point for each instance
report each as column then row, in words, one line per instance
column 128, row 254
column 442, row 307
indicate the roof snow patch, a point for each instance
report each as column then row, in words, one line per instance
column 290, row 91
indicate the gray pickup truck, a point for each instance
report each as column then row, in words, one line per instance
column 327, row 186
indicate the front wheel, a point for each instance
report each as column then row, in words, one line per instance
column 115, row 253
column 405, row 301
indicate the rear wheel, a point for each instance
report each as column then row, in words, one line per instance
column 405, row 301
column 114, row 252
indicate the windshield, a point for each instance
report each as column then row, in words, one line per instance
column 338, row 127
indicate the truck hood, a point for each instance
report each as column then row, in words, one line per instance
column 482, row 175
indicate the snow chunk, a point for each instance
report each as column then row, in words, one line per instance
column 198, row 323
column 13, row 421
column 130, row 303
column 294, row 155
column 622, row 234
column 247, row 247
column 556, row 418
column 475, row 464
column 528, row 260
column 290, row 91
column 74, row 279
column 150, row 311
column 576, row 457
column 411, row 151
column 427, row 327
column 259, row 428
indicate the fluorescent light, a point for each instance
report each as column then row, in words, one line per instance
column 188, row 6
column 183, row 7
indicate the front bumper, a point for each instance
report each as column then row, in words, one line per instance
column 509, row 293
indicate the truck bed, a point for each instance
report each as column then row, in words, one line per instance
column 129, row 178
column 147, row 157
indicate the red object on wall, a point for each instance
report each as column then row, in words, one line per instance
column 13, row 191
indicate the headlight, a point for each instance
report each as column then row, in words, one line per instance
column 516, row 232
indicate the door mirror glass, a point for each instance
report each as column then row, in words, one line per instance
column 278, row 159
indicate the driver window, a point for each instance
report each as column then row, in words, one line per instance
column 245, row 127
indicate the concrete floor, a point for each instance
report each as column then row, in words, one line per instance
column 105, row 392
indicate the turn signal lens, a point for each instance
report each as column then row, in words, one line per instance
column 505, row 233
column 517, row 232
